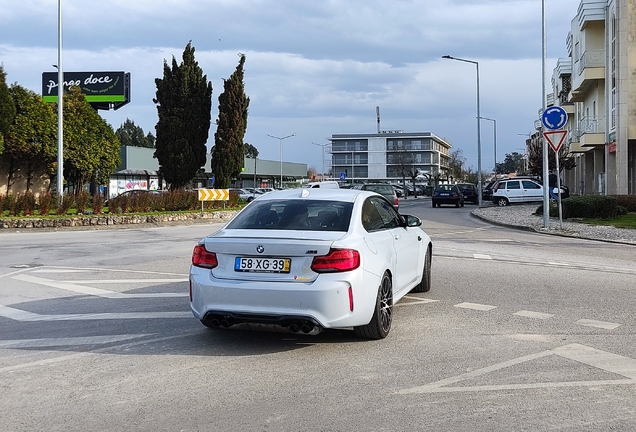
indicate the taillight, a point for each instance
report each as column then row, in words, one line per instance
column 203, row 258
column 337, row 260
column 351, row 299
column 396, row 202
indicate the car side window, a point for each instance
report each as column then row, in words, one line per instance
column 390, row 218
column 530, row 185
column 513, row 185
column 371, row 219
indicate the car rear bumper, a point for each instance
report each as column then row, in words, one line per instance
column 325, row 302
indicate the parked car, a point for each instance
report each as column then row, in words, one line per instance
column 518, row 190
column 310, row 259
column 384, row 189
column 486, row 191
column 327, row 184
column 470, row 192
column 447, row 194
column 136, row 193
column 245, row 194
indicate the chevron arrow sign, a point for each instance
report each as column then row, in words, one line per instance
column 214, row 194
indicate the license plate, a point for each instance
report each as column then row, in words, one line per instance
column 443, row 194
column 262, row 265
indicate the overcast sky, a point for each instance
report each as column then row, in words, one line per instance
column 313, row 68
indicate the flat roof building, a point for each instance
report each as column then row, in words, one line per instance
column 388, row 156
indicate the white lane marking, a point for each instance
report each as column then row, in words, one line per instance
column 415, row 300
column 558, row 263
column 61, row 359
column 70, row 341
column 115, row 281
column 598, row 324
column 531, row 314
column 86, row 290
column 603, row 360
column 20, row 315
column 60, row 271
column 475, row 306
column 482, row 256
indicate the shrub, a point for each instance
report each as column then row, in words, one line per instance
column 44, row 203
column 81, row 201
column 10, row 205
column 590, row 206
column 25, row 204
column 3, row 198
column 627, row 201
column 65, row 205
column 98, row 203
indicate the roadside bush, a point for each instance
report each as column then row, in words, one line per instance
column 44, row 203
column 10, row 204
column 179, row 200
column 81, row 201
column 25, row 204
column 98, row 203
column 234, row 199
column 587, row 206
column 3, row 198
column 65, row 205
column 627, row 201
column 590, row 206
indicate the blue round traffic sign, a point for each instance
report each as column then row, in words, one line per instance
column 554, row 118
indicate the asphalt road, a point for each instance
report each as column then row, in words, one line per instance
column 521, row 331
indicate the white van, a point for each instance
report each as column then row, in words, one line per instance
column 329, row 184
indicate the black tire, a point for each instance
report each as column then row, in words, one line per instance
column 462, row 204
column 502, row 202
column 457, row 204
column 380, row 324
column 434, row 204
column 425, row 284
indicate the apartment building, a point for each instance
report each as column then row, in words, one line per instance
column 386, row 155
column 596, row 85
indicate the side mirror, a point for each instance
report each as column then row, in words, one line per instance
column 412, row 221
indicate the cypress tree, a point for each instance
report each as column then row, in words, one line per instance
column 7, row 108
column 184, row 101
column 228, row 152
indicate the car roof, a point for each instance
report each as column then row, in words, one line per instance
column 347, row 195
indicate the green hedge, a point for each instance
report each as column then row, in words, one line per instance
column 25, row 204
column 587, row 206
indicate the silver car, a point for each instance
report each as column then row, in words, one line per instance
column 311, row 259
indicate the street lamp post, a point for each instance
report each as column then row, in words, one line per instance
column 495, row 137
column 280, row 141
column 60, row 106
column 323, row 157
column 478, row 127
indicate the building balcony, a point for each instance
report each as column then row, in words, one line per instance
column 592, row 131
column 591, row 70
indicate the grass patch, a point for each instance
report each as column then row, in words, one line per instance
column 623, row 221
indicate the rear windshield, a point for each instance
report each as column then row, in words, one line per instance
column 306, row 215
column 381, row 189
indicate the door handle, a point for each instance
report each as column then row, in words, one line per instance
column 419, row 238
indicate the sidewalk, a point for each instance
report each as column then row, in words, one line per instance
column 521, row 216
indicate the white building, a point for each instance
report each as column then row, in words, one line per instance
column 596, row 85
column 386, row 155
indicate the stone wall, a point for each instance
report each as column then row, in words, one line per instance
column 98, row 221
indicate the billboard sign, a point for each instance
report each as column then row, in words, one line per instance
column 98, row 87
